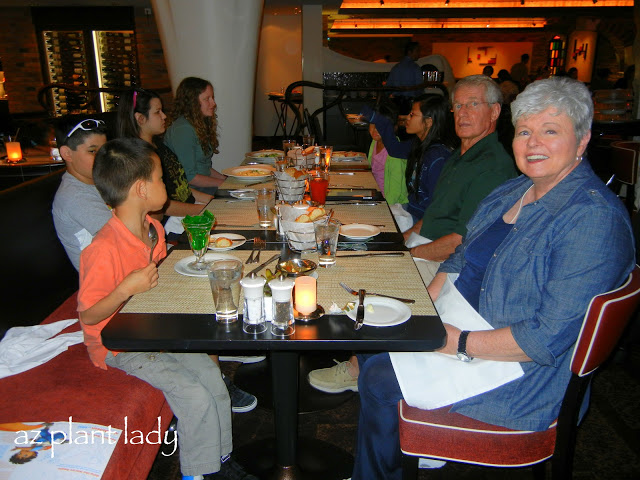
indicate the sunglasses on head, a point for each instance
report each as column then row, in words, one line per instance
column 86, row 125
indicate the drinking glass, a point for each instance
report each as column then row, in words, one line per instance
column 326, row 241
column 224, row 278
column 325, row 157
column 308, row 140
column 318, row 187
column 288, row 144
column 198, row 230
column 265, row 203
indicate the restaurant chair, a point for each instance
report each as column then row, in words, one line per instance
column 449, row 436
column 624, row 166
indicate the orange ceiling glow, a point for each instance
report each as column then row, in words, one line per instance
column 397, row 4
column 420, row 23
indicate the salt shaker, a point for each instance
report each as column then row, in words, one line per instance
column 282, row 323
column 253, row 313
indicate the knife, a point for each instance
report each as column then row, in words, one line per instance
column 360, row 312
column 262, row 265
column 385, row 254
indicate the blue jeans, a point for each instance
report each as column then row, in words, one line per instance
column 378, row 455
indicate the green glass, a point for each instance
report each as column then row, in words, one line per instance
column 198, row 228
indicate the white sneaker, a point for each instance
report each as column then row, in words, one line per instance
column 430, row 463
column 333, row 380
column 241, row 359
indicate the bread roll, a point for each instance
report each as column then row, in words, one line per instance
column 222, row 242
column 304, row 218
column 316, row 213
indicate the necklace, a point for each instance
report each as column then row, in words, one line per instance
column 513, row 220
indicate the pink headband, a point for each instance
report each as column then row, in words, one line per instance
column 135, row 96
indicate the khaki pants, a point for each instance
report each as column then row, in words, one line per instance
column 193, row 386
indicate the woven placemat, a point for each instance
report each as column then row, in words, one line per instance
column 233, row 184
column 397, row 276
column 234, row 213
column 357, row 180
column 367, row 214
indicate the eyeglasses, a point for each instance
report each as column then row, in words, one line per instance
column 86, row 125
column 469, row 105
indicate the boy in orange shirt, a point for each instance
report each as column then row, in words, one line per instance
column 128, row 175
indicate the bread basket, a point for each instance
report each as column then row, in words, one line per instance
column 300, row 236
column 290, row 189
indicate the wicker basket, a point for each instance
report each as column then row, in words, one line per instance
column 291, row 189
column 300, row 236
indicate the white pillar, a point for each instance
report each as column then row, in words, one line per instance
column 312, row 65
column 216, row 40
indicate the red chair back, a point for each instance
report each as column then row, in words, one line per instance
column 604, row 323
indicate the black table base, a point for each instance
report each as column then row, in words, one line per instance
column 255, row 378
column 316, row 460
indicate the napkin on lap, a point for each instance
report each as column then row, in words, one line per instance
column 431, row 380
column 402, row 217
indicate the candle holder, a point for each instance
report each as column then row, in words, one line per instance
column 302, row 317
column 14, row 152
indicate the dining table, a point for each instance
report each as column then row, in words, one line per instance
column 179, row 315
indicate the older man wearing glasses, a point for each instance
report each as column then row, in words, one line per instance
column 478, row 166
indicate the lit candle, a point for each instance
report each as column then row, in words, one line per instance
column 305, row 295
column 14, row 152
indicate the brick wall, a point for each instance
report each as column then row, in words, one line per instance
column 20, row 59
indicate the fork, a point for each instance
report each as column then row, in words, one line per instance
column 354, row 292
column 260, row 245
column 256, row 244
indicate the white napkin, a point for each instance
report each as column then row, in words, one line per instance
column 174, row 225
column 402, row 217
column 431, row 380
column 23, row 348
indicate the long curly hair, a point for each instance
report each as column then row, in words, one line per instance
column 187, row 104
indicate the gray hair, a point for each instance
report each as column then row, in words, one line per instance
column 492, row 93
column 568, row 96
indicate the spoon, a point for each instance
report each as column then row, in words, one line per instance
column 153, row 236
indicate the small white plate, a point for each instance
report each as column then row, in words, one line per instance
column 182, row 266
column 341, row 156
column 387, row 312
column 359, row 231
column 241, row 174
column 236, row 241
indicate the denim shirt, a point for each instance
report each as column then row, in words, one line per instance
column 572, row 244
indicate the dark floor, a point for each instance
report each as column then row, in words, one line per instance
column 608, row 445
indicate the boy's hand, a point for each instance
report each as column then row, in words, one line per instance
column 140, row 280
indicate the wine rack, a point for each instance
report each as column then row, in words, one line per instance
column 67, row 63
column 116, row 63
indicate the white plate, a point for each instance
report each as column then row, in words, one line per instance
column 272, row 154
column 182, row 266
column 247, row 194
column 359, row 231
column 341, row 156
column 236, row 241
column 387, row 312
column 238, row 173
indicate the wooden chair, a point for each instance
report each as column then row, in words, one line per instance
column 451, row 436
column 624, row 166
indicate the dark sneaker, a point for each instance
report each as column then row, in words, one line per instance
column 231, row 470
column 241, row 401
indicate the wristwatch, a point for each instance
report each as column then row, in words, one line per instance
column 462, row 347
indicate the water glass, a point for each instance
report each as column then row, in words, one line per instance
column 326, row 241
column 265, row 203
column 287, row 144
column 308, row 140
column 224, row 278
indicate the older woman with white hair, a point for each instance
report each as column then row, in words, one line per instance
column 537, row 249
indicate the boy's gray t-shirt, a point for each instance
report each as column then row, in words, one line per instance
column 78, row 214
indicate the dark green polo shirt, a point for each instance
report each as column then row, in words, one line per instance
column 464, row 182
